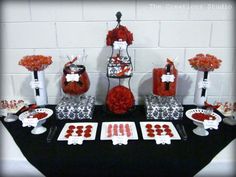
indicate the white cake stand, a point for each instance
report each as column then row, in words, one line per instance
column 38, row 129
column 200, row 130
column 10, row 117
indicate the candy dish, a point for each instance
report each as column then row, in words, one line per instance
column 157, row 129
column 119, row 132
column 203, row 119
column 36, row 118
column 76, row 133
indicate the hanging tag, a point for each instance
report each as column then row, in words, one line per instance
column 72, row 77
column 167, row 78
column 3, row 112
column 119, row 140
column 203, row 84
column 75, row 140
column 163, row 139
column 36, row 84
column 122, row 45
column 211, row 124
column 28, row 122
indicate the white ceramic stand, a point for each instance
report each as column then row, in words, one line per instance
column 10, row 117
column 200, row 130
column 39, row 129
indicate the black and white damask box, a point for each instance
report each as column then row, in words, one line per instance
column 75, row 108
column 163, row 108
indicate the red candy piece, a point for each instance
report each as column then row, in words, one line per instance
column 71, row 127
column 79, row 131
column 68, row 135
column 69, row 131
column 79, row 134
column 159, row 130
column 89, row 126
column 170, row 134
column 87, row 131
column 167, row 130
column 86, row 135
column 150, row 130
column 148, row 126
column 165, row 126
column 151, row 134
column 128, row 134
column 79, row 127
column 157, row 126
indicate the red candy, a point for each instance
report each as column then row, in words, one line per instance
column 87, row 135
column 157, row 126
column 151, row 134
column 202, row 117
column 148, row 126
column 69, row 131
column 79, row 127
column 165, row 126
column 68, row 135
column 71, row 127
column 89, row 126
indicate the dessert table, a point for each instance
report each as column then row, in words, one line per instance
column 138, row 158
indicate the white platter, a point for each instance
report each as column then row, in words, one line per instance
column 104, row 132
column 62, row 137
column 190, row 113
column 170, row 124
column 26, row 114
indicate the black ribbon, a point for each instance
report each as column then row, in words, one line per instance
column 204, row 78
column 167, row 84
column 36, row 79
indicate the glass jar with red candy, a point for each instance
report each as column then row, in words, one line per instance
column 164, row 80
column 75, row 80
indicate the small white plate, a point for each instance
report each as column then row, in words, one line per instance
column 62, row 137
column 170, row 124
column 104, row 132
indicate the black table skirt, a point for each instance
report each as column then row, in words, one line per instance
column 138, row 158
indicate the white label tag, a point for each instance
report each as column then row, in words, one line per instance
column 72, row 77
column 119, row 140
column 167, row 78
column 162, row 139
column 36, row 84
column 203, row 84
column 3, row 112
column 120, row 45
column 211, row 124
column 28, row 122
column 75, row 140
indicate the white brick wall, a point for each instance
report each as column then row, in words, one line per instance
column 161, row 29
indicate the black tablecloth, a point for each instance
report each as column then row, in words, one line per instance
column 138, row 158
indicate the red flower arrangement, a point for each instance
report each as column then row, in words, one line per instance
column 206, row 62
column 121, row 33
column 120, row 99
column 36, row 62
